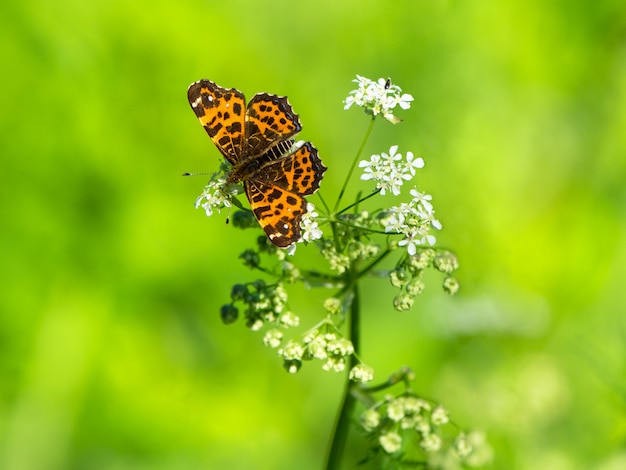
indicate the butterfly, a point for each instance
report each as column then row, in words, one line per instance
column 257, row 140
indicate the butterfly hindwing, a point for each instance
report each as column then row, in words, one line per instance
column 278, row 211
column 270, row 119
column 299, row 171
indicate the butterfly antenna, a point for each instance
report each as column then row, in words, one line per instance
column 204, row 173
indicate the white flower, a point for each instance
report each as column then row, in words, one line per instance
column 273, row 338
column 422, row 199
column 414, row 220
column 370, row 419
column 390, row 441
column 336, row 364
column 317, row 348
column 378, row 97
column 292, row 351
column 413, row 163
column 340, row 347
column 213, row 196
column 361, row 373
column 389, row 170
column 289, row 319
column 337, row 262
column 439, row 416
column 395, row 409
column 333, row 305
column 431, row 443
column 309, row 225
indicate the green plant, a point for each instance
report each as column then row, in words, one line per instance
column 354, row 241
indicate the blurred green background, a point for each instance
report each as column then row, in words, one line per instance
column 112, row 353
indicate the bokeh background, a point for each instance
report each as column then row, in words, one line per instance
column 112, row 353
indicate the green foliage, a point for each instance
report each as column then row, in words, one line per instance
column 112, row 350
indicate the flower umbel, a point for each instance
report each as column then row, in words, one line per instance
column 414, row 220
column 309, row 225
column 379, row 97
column 213, row 197
column 390, row 170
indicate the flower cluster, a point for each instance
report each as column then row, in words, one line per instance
column 379, row 97
column 414, row 220
column 356, row 246
column 263, row 304
column 213, row 196
column 406, row 413
column 323, row 343
column 398, row 420
column 218, row 194
column 390, row 170
column 310, row 225
column 408, row 275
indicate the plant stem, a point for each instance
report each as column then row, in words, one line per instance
column 358, row 202
column 342, row 425
column 354, row 162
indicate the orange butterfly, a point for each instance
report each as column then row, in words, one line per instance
column 257, row 140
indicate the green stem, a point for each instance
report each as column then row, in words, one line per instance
column 358, row 202
column 364, row 229
column 354, row 163
column 371, row 266
column 342, row 425
column 319, row 193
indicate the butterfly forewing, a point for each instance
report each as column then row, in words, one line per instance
column 221, row 112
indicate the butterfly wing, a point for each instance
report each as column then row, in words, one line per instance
column 276, row 192
column 221, row 112
column 270, row 119
column 278, row 211
column 299, row 171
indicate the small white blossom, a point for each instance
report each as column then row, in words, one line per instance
column 317, row 347
column 273, row 338
column 415, row 405
column 439, row 416
column 330, row 336
column 414, row 220
column 390, row 170
column 412, row 163
column 332, row 305
column 292, row 351
column 370, row 419
column 395, row 409
column 336, row 364
column 431, row 443
column 289, row 320
column 378, row 97
column 361, row 373
column 390, row 441
column 340, row 347
column 309, row 225
column 213, row 196
column 473, row 449
column 337, row 262
column 422, row 427
column 257, row 325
